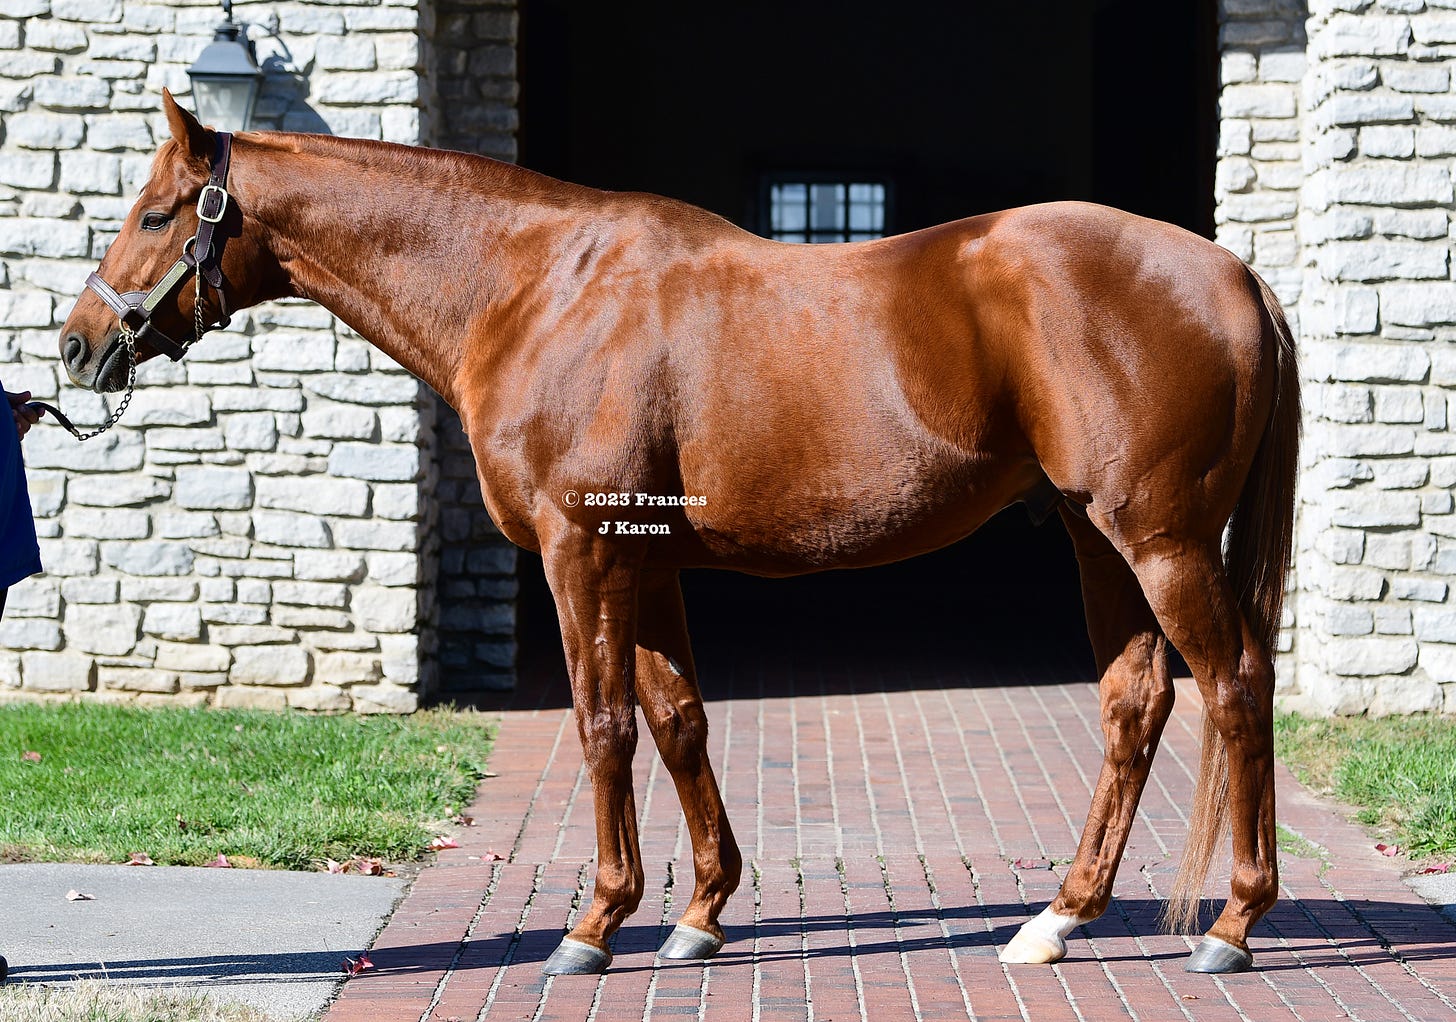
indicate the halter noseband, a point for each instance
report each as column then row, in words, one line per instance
column 199, row 255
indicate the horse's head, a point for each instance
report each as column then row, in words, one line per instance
column 146, row 288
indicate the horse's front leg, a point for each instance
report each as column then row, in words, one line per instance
column 594, row 583
column 673, row 706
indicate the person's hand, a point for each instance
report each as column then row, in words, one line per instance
column 25, row 415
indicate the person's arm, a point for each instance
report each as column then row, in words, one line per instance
column 25, row 415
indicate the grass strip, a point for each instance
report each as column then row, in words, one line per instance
column 1400, row 772
column 97, row 1001
column 89, row 783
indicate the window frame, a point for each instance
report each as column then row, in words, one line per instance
column 767, row 181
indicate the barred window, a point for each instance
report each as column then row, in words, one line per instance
column 819, row 211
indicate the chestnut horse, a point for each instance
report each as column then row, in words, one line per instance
column 646, row 387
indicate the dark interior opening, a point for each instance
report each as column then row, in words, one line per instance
column 964, row 108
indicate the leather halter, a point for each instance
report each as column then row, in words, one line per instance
column 202, row 254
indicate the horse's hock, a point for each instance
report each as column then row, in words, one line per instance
column 291, row 520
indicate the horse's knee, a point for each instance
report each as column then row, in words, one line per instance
column 680, row 730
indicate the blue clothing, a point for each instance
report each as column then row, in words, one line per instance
column 19, row 552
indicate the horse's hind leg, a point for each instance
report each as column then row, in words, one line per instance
column 1189, row 590
column 1136, row 697
column 668, row 691
column 595, row 587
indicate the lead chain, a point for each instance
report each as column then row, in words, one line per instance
column 128, row 338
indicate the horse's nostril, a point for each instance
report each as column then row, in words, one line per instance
column 74, row 352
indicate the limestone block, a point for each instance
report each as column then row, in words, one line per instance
column 492, row 560
column 1423, row 590
column 109, row 523
column 1383, row 260
column 311, row 594
column 50, row 239
column 254, row 590
column 140, row 47
column 1403, row 474
column 383, row 699
column 236, row 614
column 29, row 633
column 49, row 34
column 1361, row 108
column 1412, row 223
column 329, row 566
column 1256, row 207
column 376, row 535
column 348, row 668
column 138, row 679
column 1435, row 624
column 177, row 439
column 1419, row 304
column 58, row 672
column 118, row 490
column 214, row 488
column 192, row 657
column 27, row 64
column 178, row 622
column 37, row 596
column 394, row 569
column 1351, row 35
column 1257, row 101
column 73, row 93
column 314, row 495
column 150, row 557
column 318, row 699
column 251, row 431
column 402, row 425
column 1354, row 362
column 28, row 170
column 1370, row 656
column 144, row 590
column 1438, row 661
column 363, row 390
column 340, row 422
column 384, row 19
column 36, row 130
column 234, row 697
column 105, row 629
column 1235, row 138
column 1405, row 696
column 1434, row 140
column 296, row 353
column 68, row 557
column 1399, row 404
column 496, row 619
column 285, row 528
column 375, row 462
column 346, row 53
column 386, row 610
column 1346, row 619
column 311, row 617
column 269, row 665
column 1387, row 141
column 355, row 88
column 89, row 590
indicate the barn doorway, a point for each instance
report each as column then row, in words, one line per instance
column 753, row 109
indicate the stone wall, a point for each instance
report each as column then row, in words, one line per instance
column 261, row 529
column 1356, row 237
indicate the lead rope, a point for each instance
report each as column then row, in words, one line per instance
column 128, row 338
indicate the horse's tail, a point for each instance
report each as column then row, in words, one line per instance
column 1261, row 539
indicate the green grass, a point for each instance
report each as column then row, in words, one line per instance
column 279, row 790
column 97, row 1001
column 1400, row 772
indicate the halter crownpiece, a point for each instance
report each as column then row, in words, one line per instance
column 200, row 256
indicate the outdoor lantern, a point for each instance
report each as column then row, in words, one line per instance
column 226, row 77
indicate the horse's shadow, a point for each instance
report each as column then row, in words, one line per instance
column 1309, row 934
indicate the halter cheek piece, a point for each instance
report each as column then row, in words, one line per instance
column 201, row 256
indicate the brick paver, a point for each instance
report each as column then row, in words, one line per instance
column 894, row 837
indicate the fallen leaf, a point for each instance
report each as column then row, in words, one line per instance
column 181, row 823
column 30, row 756
column 491, row 855
column 1388, row 850
column 139, row 859
column 1032, row 864
column 354, row 966
column 368, row 867
column 221, row 862
column 463, row 821
column 75, row 895
column 336, row 867
column 443, row 842
column 1440, row 867
column 1190, row 997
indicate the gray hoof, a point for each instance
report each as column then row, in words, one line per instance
column 689, row 942
column 573, row 958
column 1218, row 956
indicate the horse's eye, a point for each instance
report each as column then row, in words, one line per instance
column 154, row 221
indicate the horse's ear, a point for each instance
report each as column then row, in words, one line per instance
column 191, row 136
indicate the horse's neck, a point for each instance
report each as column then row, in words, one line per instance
column 406, row 246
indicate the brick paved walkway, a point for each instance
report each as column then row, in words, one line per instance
column 897, row 837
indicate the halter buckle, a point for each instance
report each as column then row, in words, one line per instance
column 221, row 197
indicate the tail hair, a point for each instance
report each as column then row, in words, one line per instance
column 1261, row 542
